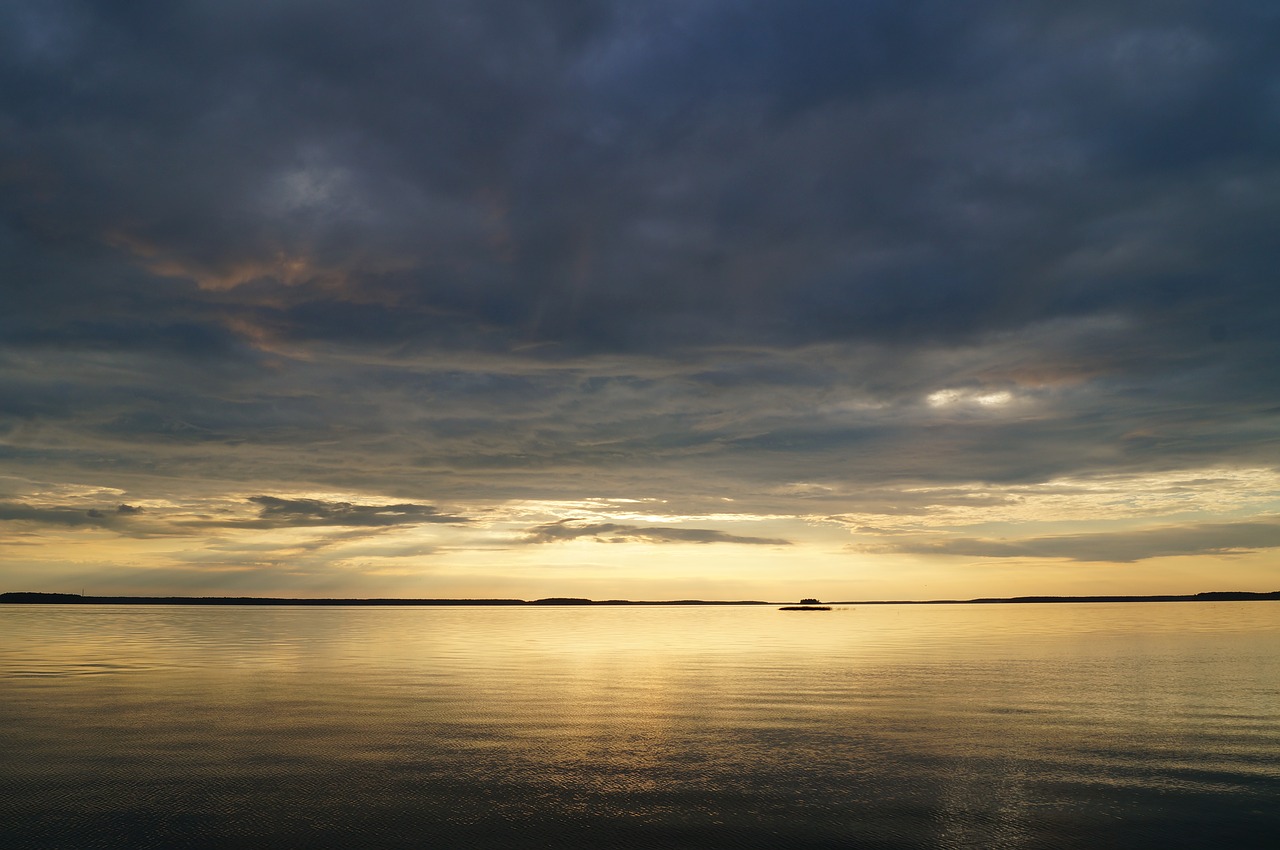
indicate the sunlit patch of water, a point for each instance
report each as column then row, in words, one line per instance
column 886, row 726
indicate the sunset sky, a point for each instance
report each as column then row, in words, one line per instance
column 738, row 300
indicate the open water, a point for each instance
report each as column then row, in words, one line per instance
column 983, row 726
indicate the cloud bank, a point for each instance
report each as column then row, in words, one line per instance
column 1223, row 538
column 611, row 532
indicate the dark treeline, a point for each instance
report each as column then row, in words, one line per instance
column 77, row 599
column 1209, row 596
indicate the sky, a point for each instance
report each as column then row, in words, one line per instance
column 859, row 299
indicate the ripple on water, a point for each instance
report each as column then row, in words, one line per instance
column 85, row 668
column 943, row 726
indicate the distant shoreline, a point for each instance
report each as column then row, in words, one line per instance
column 24, row 597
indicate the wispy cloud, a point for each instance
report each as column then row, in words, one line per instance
column 1214, row 538
column 612, row 532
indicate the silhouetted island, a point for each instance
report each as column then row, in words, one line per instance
column 1209, row 596
column 78, row 599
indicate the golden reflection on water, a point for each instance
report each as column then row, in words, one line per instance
column 948, row 726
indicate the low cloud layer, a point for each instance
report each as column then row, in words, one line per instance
column 276, row 512
column 1221, row 538
column 612, row 532
column 73, row 517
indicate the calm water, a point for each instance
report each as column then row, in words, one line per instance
column 1121, row 725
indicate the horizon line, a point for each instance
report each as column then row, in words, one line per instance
column 42, row 597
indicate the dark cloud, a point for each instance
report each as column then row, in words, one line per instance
column 275, row 512
column 621, row 180
column 64, row 515
column 1221, row 538
column 612, row 532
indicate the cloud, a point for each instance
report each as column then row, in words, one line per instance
column 625, row 181
column 313, row 554
column 275, row 512
column 612, row 532
column 68, row 516
column 1221, row 538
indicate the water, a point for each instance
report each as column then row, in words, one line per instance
column 984, row 726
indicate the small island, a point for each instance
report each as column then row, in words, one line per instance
column 806, row 605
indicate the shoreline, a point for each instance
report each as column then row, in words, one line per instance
column 39, row 598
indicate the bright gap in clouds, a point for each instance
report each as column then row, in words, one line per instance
column 950, row 397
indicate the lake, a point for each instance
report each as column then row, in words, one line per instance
column 948, row 726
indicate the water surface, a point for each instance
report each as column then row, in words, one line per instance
column 992, row 726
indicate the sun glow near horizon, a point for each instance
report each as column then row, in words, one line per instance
column 1114, row 534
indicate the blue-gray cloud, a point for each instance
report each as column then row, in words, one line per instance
column 68, row 516
column 275, row 512
column 615, row 180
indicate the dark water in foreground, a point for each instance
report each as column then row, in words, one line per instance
column 985, row 726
